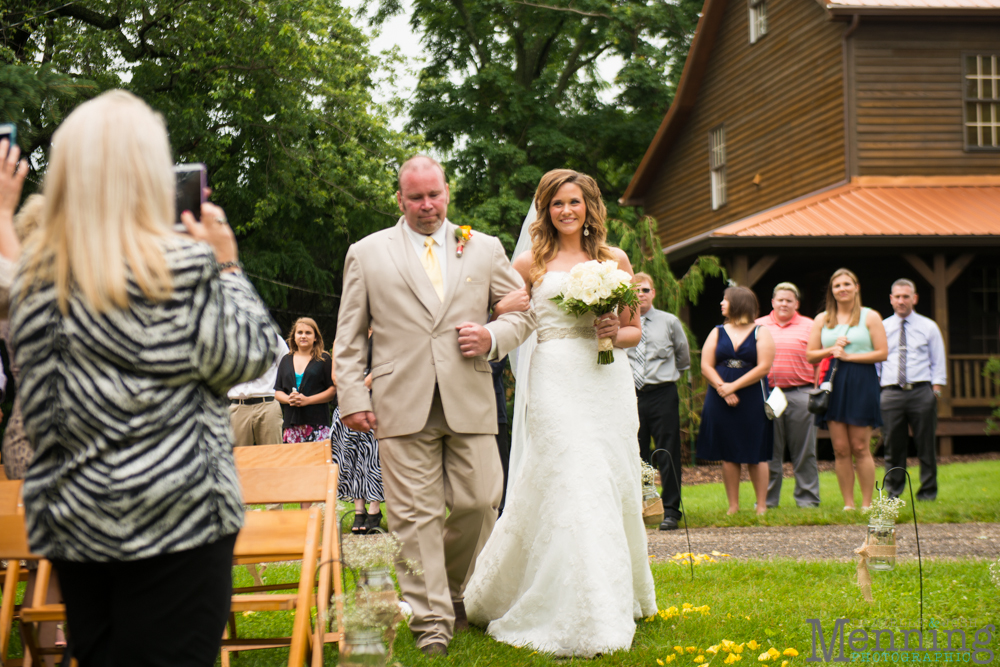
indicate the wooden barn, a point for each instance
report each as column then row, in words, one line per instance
column 807, row 135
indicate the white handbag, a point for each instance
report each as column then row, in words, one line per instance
column 775, row 404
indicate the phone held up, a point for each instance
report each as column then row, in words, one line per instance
column 8, row 131
column 192, row 180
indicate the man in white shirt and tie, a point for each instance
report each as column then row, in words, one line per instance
column 912, row 380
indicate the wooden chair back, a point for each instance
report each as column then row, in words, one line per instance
column 287, row 535
column 13, row 548
column 284, row 456
column 10, row 497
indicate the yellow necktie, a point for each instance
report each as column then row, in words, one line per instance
column 432, row 267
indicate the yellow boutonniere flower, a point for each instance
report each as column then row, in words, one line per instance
column 462, row 234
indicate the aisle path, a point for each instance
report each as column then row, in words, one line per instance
column 937, row 540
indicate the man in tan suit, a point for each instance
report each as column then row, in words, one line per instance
column 432, row 403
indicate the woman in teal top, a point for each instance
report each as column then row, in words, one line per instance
column 855, row 338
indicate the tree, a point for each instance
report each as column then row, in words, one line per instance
column 274, row 96
column 511, row 90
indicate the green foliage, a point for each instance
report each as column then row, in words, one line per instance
column 641, row 243
column 274, row 96
column 511, row 89
column 992, row 374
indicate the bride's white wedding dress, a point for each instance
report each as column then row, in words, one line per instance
column 566, row 569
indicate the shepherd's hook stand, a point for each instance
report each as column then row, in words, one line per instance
column 916, row 531
column 684, row 514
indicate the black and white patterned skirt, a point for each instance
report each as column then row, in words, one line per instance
column 357, row 455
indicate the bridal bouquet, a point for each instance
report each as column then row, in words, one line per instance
column 599, row 288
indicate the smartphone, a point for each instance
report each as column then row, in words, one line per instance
column 192, row 179
column 8, row 131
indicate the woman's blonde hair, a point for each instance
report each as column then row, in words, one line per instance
column 830, row 320
column 545, row 238
column 109, row 194
column 317, row 349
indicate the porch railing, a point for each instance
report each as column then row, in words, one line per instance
column 966, row 382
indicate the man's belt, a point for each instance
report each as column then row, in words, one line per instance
column 909, row 386
column 251, row 401
column 652, row 387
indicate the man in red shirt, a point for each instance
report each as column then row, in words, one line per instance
column 795, row 428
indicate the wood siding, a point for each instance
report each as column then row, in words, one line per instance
column 907, row 91
column 781, row 100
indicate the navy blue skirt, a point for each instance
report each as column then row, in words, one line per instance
column 855, row 397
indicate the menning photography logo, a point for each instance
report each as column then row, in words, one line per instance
column 881, row 645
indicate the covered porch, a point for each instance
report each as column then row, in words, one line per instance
column 941, row 232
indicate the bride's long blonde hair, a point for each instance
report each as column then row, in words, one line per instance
column 545, row 238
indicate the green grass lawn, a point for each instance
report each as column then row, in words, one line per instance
column 764, row 601
column 967, row 492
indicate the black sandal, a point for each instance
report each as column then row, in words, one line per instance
column 359, row 524
column 373, row 522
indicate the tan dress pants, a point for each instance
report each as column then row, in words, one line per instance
column 257, row 424
column 423, row 474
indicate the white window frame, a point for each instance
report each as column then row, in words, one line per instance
column 717, row 165
column 982, row 110
column 758, row 19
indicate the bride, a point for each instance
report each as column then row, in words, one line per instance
column 566, row 569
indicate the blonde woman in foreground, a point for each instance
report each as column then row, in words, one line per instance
column 128, row 336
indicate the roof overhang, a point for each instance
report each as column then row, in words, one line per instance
column 684, row 99
column 869, row 212
column 908, row 9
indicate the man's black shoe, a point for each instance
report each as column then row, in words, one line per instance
column 435, row 649
column 669, row 523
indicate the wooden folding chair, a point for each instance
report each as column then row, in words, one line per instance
column 309, row 483
column 284, row 456
column 280, row 536
column 13, row 541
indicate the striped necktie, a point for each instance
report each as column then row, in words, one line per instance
column 901, row 375
column 639, row 366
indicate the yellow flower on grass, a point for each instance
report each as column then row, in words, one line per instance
column 773, row 652
column 692, row 649
column 712, row 649
column 670, row 658
column 764, row 657
column 753, row 645
column 686, row 605
column 679, row 649
column 784, row 663
column 790, row 652
column 700, row 659
column 660, row 662
column 731, row 658
column 726, row 643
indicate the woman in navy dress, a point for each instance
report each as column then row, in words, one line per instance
column 734, row 428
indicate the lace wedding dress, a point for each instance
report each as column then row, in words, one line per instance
column 566, row 569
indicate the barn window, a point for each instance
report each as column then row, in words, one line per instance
column 982, row 102
column 717, row 165
column 758, row 19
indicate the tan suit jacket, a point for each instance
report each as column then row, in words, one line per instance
column 414, row 340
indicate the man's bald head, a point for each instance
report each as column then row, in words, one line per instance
column 419, row 162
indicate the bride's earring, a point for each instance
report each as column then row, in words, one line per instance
column 586, row 230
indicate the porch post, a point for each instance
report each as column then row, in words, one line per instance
column 940, row 277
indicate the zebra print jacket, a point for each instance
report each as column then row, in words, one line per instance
column 128, row 415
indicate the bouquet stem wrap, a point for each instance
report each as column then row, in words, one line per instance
column 605, row 351
column 599, row 288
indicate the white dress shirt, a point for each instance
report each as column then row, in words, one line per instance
column 263, row 386
column 925, row 358
column 440, row 238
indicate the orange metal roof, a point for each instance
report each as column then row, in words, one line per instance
column 876, row 206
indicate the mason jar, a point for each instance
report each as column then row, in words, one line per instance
column 363, row 647
column 881, row 545
column 652, row 506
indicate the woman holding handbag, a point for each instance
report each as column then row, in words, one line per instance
column 734, row 427
column 855, row 340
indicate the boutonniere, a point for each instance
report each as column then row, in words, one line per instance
column 462, row 234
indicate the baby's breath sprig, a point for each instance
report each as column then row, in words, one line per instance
column 369, row 552
column 884, row 509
